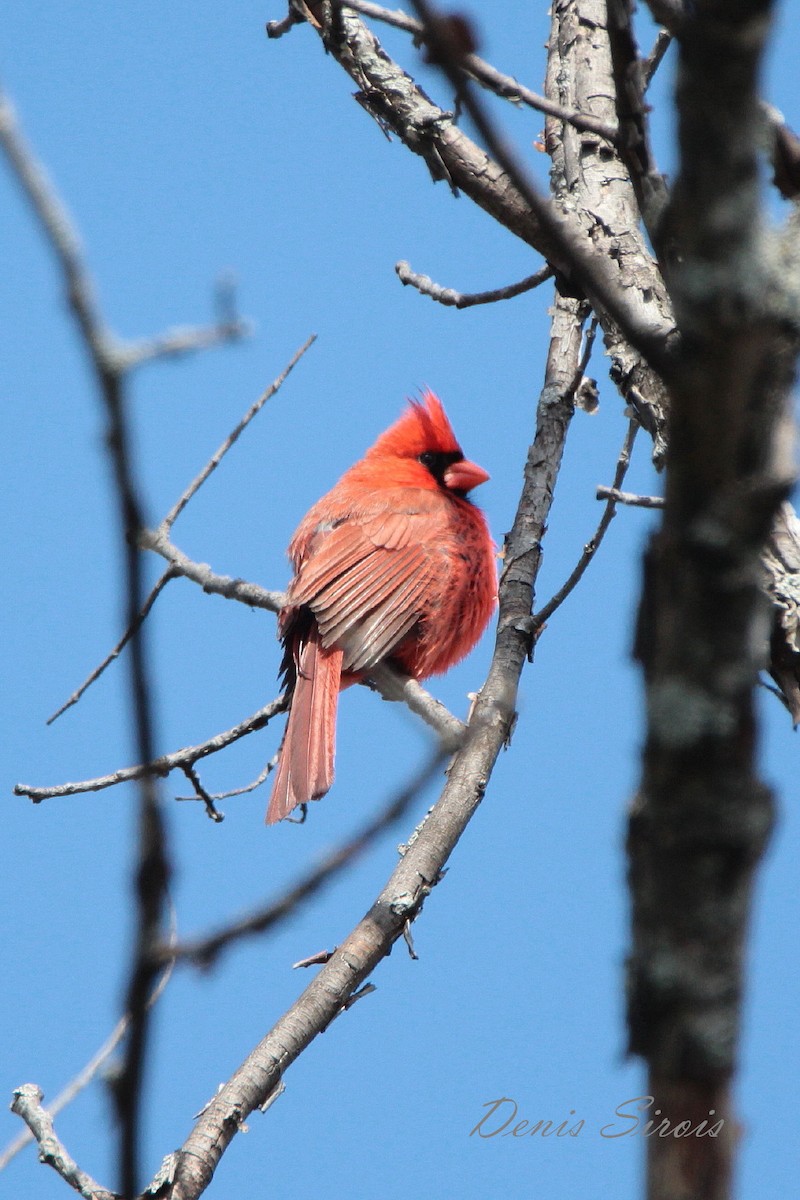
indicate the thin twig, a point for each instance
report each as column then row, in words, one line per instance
column 194, row 779
column 488, row 76
column 633, row 114
column 216, row 458
column 593, row 545
column 612, row 493
column 366, row 990
column 396, row 687
column 276, row 29
column 27, row 1104
column 653, row 61
column 170, row 573
column 109, row 354
column 217, row 585
column 454, row 299
column 164, row 764
column 586, row 354
column 205, row 950
column 176, row 342
column 240, row 791
column 391, row 684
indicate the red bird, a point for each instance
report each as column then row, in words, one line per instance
column 393, row 563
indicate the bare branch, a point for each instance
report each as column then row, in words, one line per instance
column 204, row 951
column 111, row 356
column 217, row 585
column 240, row 791
column 28, row 1105
column 593, row 545
column 178, row 342
column 499, row 184
column 164, row 764
column 385, row 678
column 314, row 960
column 598, row 190
column 570, row 250
column 703, row 814
column 453, row 299
column 488, row 76
column 395, row 686
column 391, row 684
column 169, row 574
column 782, row 582
column 276, row 29
column 202, row 794
column 65, row 1097
column 614, row 495
column 632, row 115
column 216, row 458
column 654, row 59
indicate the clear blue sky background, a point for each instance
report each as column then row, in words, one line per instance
column 186, row 145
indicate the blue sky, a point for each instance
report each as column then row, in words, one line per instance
column 186, row 145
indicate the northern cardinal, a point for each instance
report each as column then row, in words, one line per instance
column 393, row 563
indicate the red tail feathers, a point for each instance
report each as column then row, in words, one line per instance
column 305, row 769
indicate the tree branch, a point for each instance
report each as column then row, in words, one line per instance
column 394, row 686
column 453, row 299
column 262, row 776
column 569, row 249
column 27, row 1104
column 599, row 190
column 703, row 814
column 161, row 536
column 391, row 684
column 655, row 57
column 233, row 436
column 482, row 72
column 593, row 545
column 162, row 765
column 636, row 501
column 782, row 583
column 497, row 184
column 632, row 115
column 169, row 574
column 250, row 594
column 176, row 343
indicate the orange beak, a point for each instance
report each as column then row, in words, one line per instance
column 464, row 476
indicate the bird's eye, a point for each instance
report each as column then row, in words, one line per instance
column 427, row 459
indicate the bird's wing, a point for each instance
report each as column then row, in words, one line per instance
column 364, row 581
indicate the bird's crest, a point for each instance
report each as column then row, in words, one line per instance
column 422, row 427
